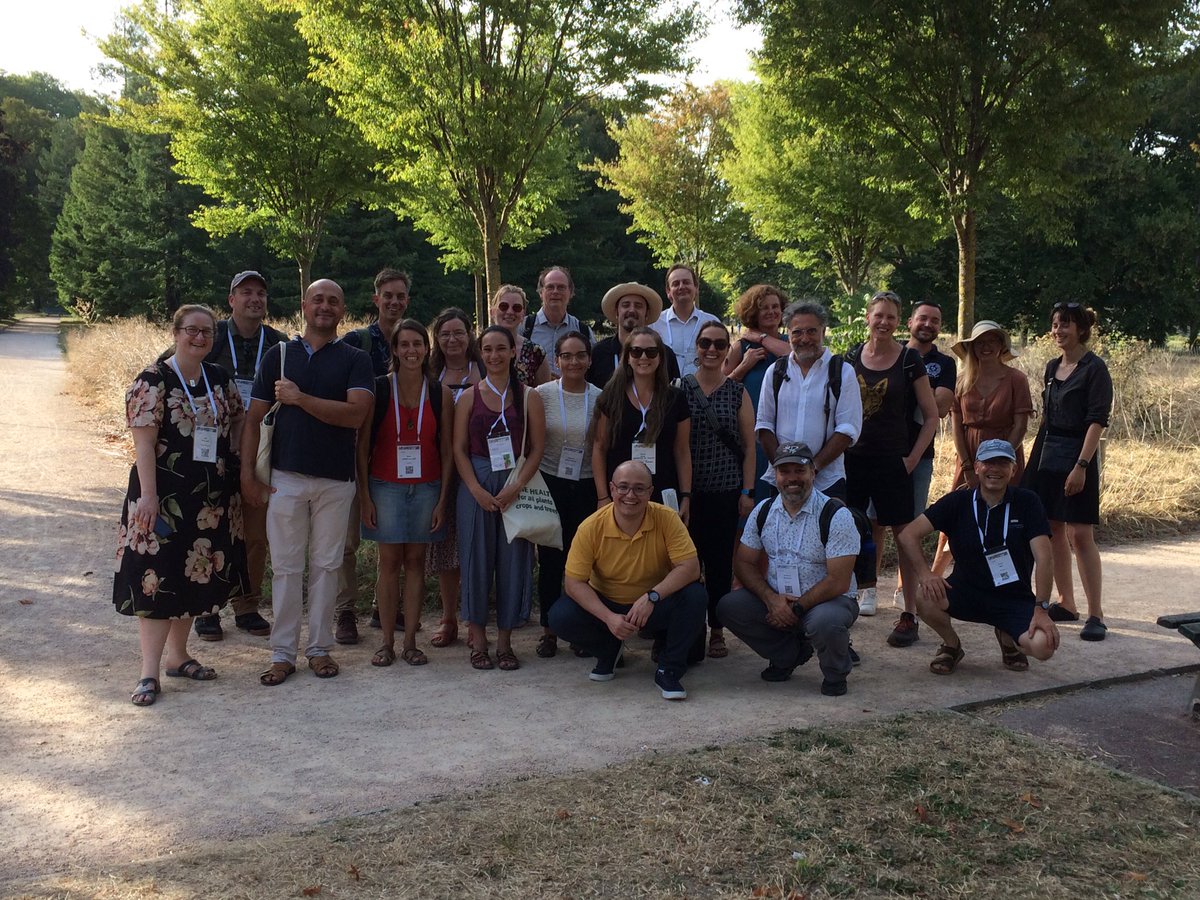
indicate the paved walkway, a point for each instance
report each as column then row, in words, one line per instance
column 88, row 777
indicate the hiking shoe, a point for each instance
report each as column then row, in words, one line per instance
column 866, row 602
column 346, row 628
column 904, row 634
column 776, row 674
column 253, row 623
column 208, row 628
column 668, row 683
column 1093, row 630
column 855, row 659
column 603, row 670
column 833, row 688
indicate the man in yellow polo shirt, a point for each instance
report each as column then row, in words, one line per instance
column 632, row 565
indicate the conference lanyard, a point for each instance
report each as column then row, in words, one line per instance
column 982, row 529
column 570, row 460
column 788, row 575
column 420, row 407
column 500, row 419
column 204, row 437
column 262, row 336
column 645, row 409
column 408, row 453
column 999, row 561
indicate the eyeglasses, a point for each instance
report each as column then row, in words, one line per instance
column 515, row 307
column 452, row 335
column 1064, row 305
column 194, row 330
column 581, row 356
column 638, row 490
column 709, row 343
column 639, row 352
column 805, row 332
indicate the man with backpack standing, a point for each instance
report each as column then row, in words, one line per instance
column 806, row 601
column 556, row 289
column 391, row 300
column 802, row 400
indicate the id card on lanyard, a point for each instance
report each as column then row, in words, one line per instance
column 788, row 575
column 570, row 460
column 408, row 455
column 999, row 561
column 245, row 384
column 640, row 451
column 204, row 437
column 500, row 450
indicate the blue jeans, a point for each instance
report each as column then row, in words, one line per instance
column 680, row 616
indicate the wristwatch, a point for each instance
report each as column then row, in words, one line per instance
column 1044, row 604
column 1082, row 463
column 653, row 596
column 747, row 492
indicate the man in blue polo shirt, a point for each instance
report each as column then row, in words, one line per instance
column 325, row 390
column 998, row 535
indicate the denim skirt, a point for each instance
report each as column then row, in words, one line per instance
column 403, row 513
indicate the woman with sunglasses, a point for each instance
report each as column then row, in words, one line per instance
column 567, row 466
column 180, row 552
column 1076, row 404
column 722, row 433
column 404, row 464
column 760, row 310
column 490, row 435
column 640, row 416
column 508, row 310
column 456, row 363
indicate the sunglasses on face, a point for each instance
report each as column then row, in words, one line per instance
column 639, row 352
column 505, row 307
column 709, row 343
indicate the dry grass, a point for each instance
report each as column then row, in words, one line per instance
column 933, row 805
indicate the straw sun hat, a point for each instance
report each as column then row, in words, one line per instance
column 961, row 348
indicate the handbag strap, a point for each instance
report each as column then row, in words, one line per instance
column 721, row 431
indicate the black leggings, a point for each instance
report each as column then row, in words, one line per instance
column 713, row 526
column 575, row 501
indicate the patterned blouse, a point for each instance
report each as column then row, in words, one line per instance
column 714, row 465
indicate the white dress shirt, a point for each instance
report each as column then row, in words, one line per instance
column 680, row 336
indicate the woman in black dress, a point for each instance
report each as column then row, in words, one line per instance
column 179, row 550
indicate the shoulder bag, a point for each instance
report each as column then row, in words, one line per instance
column 533, row 515
column 266, row 432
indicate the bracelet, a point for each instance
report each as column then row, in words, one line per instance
column 683, row 495
column 605, row 497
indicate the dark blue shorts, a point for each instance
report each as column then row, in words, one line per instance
column 1005, row 613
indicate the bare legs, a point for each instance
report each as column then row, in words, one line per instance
column 1071, row 539
column 155, row 635
column 393, row 558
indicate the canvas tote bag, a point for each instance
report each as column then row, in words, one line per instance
column 533, row 516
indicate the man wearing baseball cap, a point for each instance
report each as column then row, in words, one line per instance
column 999, row 536
column 806, row 601
column 628, row 306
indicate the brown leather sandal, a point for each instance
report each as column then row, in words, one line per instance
column 384, row 657
column 946, row 659
column 1010, row 654
column 323, row 666
column 507, row 661
column 277, row 674
column 481, row 660
column 414, row 657
column 446, row 634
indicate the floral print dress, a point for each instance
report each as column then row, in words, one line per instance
column 194, row 561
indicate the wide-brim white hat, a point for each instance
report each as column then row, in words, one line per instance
column 654, row 304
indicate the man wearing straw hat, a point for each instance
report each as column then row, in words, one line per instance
column 628, row 306
column 999, row 535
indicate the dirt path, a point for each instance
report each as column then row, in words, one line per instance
column 90, row 779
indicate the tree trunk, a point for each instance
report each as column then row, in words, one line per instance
column 491, row 255
column 964, row 231
column 477, row 281
column 304, row 264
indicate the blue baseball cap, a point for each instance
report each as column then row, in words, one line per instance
column 995, row 449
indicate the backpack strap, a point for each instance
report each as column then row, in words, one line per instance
column 365, row 341
column 778, row 376
column 828, row 511
column 761, row 518
column 528, row 330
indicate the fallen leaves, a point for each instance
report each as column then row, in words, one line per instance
column 1013, row 826
column 26, row 601
column 921, row 813
column 354, row 873
column 1033, row 801
column 562, row 815
column 311, row 891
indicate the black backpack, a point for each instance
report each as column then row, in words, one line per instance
column 833, row 387
column 864, row 563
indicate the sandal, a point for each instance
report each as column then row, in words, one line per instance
column 946, row 659
column 189, row 668
column 383, row 657
column 547, row 646
column 146, row 692
column 414, row 657
column 323, row 666
column 1010, row 653
column 446, row 634
column 716, row 646
column 277, row 674
column 507, row 661
column 480, row 660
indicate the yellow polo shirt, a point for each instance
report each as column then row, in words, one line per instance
column 620, row 566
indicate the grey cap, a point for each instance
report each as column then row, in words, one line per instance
column 793, row 453
column 245, row 276
column 995, row 449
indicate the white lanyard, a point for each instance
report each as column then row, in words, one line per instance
column 779, row 523
column 645, row 409
column 262, row 336
column 500, row 419
column 212, row 406
column 562, row 408
column 420, row 408
column 458, row 391
column 986, row 516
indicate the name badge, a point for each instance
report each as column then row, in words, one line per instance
column 1000, row 564
column 500, row 453
column 570, row 463
column 243, row 388
column 204, row 444
column 408, row 460
column 789, row 580
column 644, row 453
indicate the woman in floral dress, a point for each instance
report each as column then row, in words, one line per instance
column 179, row 550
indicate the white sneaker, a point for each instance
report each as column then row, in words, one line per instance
column 866, row 602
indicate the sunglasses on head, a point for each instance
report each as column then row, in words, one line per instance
column 709, row 343
column 503, row 306
column 1065, row 305
column 639, row 352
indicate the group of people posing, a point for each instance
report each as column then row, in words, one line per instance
column 698, row 480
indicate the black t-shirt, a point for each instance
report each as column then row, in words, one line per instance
column 665, row 473
column 942, row 372
column 605, row 356
column 303, row 443
column 885, row 399
column 953, row 516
